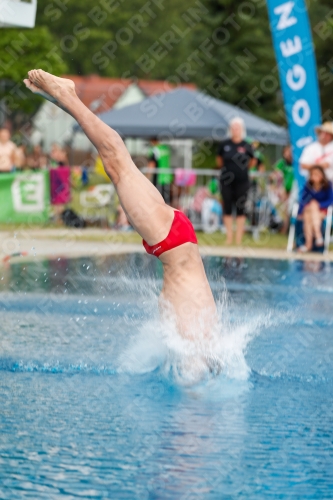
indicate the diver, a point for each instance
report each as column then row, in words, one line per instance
column 167, row 233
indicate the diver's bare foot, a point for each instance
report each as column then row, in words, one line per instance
column 38, row 91
column 58, row 88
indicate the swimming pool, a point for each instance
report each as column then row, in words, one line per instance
column 89, row 407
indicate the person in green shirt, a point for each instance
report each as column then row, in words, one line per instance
column 285, row 165
column 159, row 156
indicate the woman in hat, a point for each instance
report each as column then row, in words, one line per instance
column 316, row 197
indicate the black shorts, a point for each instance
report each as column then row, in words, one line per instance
column 234, row 194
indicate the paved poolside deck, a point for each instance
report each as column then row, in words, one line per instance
column 53, row 243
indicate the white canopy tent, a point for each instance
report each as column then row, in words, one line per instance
column 18, row 13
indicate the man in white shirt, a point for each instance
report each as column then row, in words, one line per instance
column 319, row 152
column 7, row 151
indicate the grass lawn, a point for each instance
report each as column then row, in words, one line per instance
column 265, row 240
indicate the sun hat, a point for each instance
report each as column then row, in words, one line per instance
column 325, row 127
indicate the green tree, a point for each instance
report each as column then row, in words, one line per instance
column 111, row 40
column 241, row 67
column 237, row 57
column 321, row 18
column 22, row 50
column 225, row 47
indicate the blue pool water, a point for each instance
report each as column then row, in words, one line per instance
column 95, row 402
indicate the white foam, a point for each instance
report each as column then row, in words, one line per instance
column 158, row 345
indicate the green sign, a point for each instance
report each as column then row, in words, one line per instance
column 25, row 197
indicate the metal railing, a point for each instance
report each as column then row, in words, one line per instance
column 258, row 206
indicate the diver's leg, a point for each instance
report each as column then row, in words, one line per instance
column 143, row 204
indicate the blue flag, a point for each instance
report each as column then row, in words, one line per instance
column 298, row 72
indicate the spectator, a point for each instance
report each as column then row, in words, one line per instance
column 60, row 181
column 20, row 157
column 235, row 156
column 276, row 197
column 37, row 159
column 319, row 152
column 207, row 207
column 58, row 156
column 258, row 165
column 284, row 169
column 316, row 197
column 159, row 156
column 257, row 182
column 285, row 166
column 7, row 151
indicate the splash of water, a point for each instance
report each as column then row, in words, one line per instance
column 158, row 345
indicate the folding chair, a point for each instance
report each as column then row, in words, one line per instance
column 296, row 231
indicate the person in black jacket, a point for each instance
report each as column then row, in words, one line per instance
column 234, row 157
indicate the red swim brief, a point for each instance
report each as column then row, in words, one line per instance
column 181, row 232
